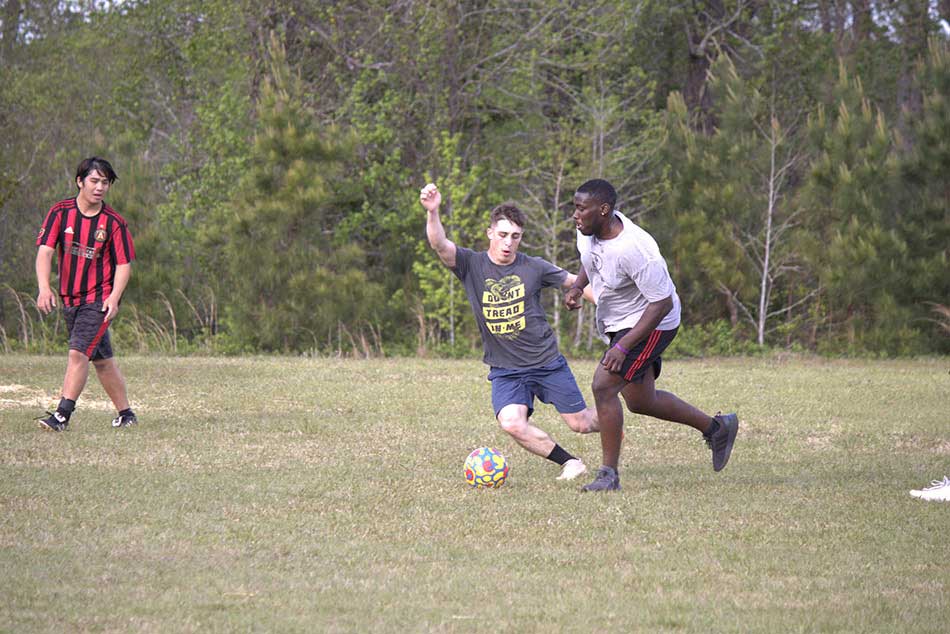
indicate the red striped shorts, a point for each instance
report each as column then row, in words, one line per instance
column 644, row 355
column 88, row 330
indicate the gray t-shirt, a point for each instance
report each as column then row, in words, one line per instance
column 626, row 273
column 506, row 302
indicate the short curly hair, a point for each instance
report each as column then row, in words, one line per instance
column 601, row 190
column 508, row 211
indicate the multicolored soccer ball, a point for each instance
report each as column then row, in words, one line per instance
column 486, row 467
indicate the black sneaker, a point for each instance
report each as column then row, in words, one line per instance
column 607, row 480
column 721, row 442
column 54, row 421
column 124, row 420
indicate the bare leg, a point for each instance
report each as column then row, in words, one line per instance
column 112, row 382
column 606, row 386
column 77, row 371
column 514, row 420
column 583, row 422
column 644, row 398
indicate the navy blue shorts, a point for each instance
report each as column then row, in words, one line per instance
column 553, row 384
column 643, row 356
column 88, row 330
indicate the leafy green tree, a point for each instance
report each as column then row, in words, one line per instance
column 443, row 299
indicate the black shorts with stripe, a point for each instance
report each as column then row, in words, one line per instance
column 643, row 356
column 88, row 330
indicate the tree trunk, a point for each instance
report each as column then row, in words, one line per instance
column 863, row 21
column 11, row 25
column 579, row 330
column 764, row 289
column 696, row 96
column 824, row 13
column 914, row 32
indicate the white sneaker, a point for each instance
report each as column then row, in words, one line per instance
column 938, row 491
column 572, row 469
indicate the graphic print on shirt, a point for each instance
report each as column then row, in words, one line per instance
column 503, row 306
column 596, row 260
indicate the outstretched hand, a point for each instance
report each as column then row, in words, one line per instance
column 430, row 197
column 573, row 298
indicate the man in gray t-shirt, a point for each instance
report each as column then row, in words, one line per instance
column 638, row 313
column 506, row 303
column 504, row 291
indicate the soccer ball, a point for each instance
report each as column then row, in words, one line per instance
column 485, row 467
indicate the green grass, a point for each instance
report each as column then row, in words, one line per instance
column 301, row 495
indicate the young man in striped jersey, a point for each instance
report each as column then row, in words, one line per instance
column 95, row 253
column 638, row 312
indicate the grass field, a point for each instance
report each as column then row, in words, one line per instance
column 315, row 495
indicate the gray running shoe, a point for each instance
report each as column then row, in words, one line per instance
column 124, row 421
column 721, row 442
column 54, row 421
column 607, row 480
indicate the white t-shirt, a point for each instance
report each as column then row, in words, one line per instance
column 626, row 273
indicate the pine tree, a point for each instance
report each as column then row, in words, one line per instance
column 924, row 206
column 292, row 286
column 735, row 218
column 855, row 252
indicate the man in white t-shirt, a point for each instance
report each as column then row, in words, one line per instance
column 638, row 313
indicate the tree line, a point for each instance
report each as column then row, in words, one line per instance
column 791, row 158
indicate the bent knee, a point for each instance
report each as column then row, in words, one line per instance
column 513, row 425
column 639, row 406
column 604, row 393
column 583, row 422
column 104, row 363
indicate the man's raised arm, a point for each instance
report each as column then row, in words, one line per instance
column 431, row 199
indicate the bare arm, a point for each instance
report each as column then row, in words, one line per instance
column 431, row 199
column 571, row 281
column 577, row 287
column 46, row 299
column 651, row 318
column 111, row 306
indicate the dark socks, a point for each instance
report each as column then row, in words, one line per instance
column 558, row 455
column 127, row 412
column 713, row 428
column 66, row 407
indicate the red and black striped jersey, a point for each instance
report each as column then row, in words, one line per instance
column 89, row 248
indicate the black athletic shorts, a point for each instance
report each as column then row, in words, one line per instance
column 88, row 330
column 644, row 355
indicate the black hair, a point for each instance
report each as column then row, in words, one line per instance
column 601, row 190
column 94, row 163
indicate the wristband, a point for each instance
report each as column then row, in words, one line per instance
column 620, row 348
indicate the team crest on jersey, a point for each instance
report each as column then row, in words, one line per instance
column 101, row 234
column 596, row 261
